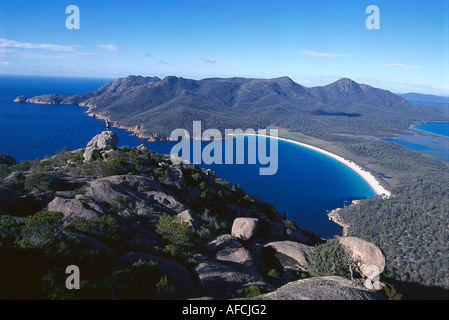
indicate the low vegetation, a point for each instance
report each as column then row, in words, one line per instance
column 37, row 245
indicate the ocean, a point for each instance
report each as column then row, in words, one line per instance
column 306, row 185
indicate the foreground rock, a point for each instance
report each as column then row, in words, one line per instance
column 366, row 253
column 76, row 208
column 290, row 254
column 321, row 288
column 228, row 268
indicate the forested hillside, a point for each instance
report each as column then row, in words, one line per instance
column 152, row 106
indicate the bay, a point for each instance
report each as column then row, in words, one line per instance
column 306, row 185
column 30, row 131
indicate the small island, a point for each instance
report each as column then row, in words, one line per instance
column 21, row 99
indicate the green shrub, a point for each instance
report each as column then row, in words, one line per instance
column 160, row 173
column 21, row 166
column 179, row 237
column 42, row 230
column 44, row 182
column 273, row 273
column 117, row 166
column 143, row 281
column 104, row 226
column 121, row 203
column 140, row 281
column 4, row 171
column 211, row 226
column 250, row 292
column 17, row 184
column 77, row 192
column 9, row 228
column 329, row 259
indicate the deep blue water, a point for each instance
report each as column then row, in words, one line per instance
column 429, row 102
column 437, row 128
column 306, row 185
column 28, row 131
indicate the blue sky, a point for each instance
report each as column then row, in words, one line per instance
column 314, row 42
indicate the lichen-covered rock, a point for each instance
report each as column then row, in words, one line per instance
column 91, row 153
column 366, row 253
column 189, row 217
column 75, row 208
column 321, row 288
column 133, row 189
column 244, row 228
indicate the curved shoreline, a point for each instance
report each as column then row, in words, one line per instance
column 375, row 185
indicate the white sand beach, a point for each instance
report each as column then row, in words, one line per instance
column 367, row 176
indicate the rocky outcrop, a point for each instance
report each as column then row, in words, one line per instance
column 244, row 228
column 227, row 268
column 76, row 208
column 7, row 159
column 189, row 217
column 321, row 288
column 21, row 99
column 290, row 254
column 232, row 247
column 133, row 189
column 175, row 176
column 100, row 145
column 365, row 253
column 48, row 99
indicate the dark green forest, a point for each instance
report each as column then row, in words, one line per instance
column 412, row 227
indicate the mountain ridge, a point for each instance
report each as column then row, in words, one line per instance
column 158, row 106
column 424, row 97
